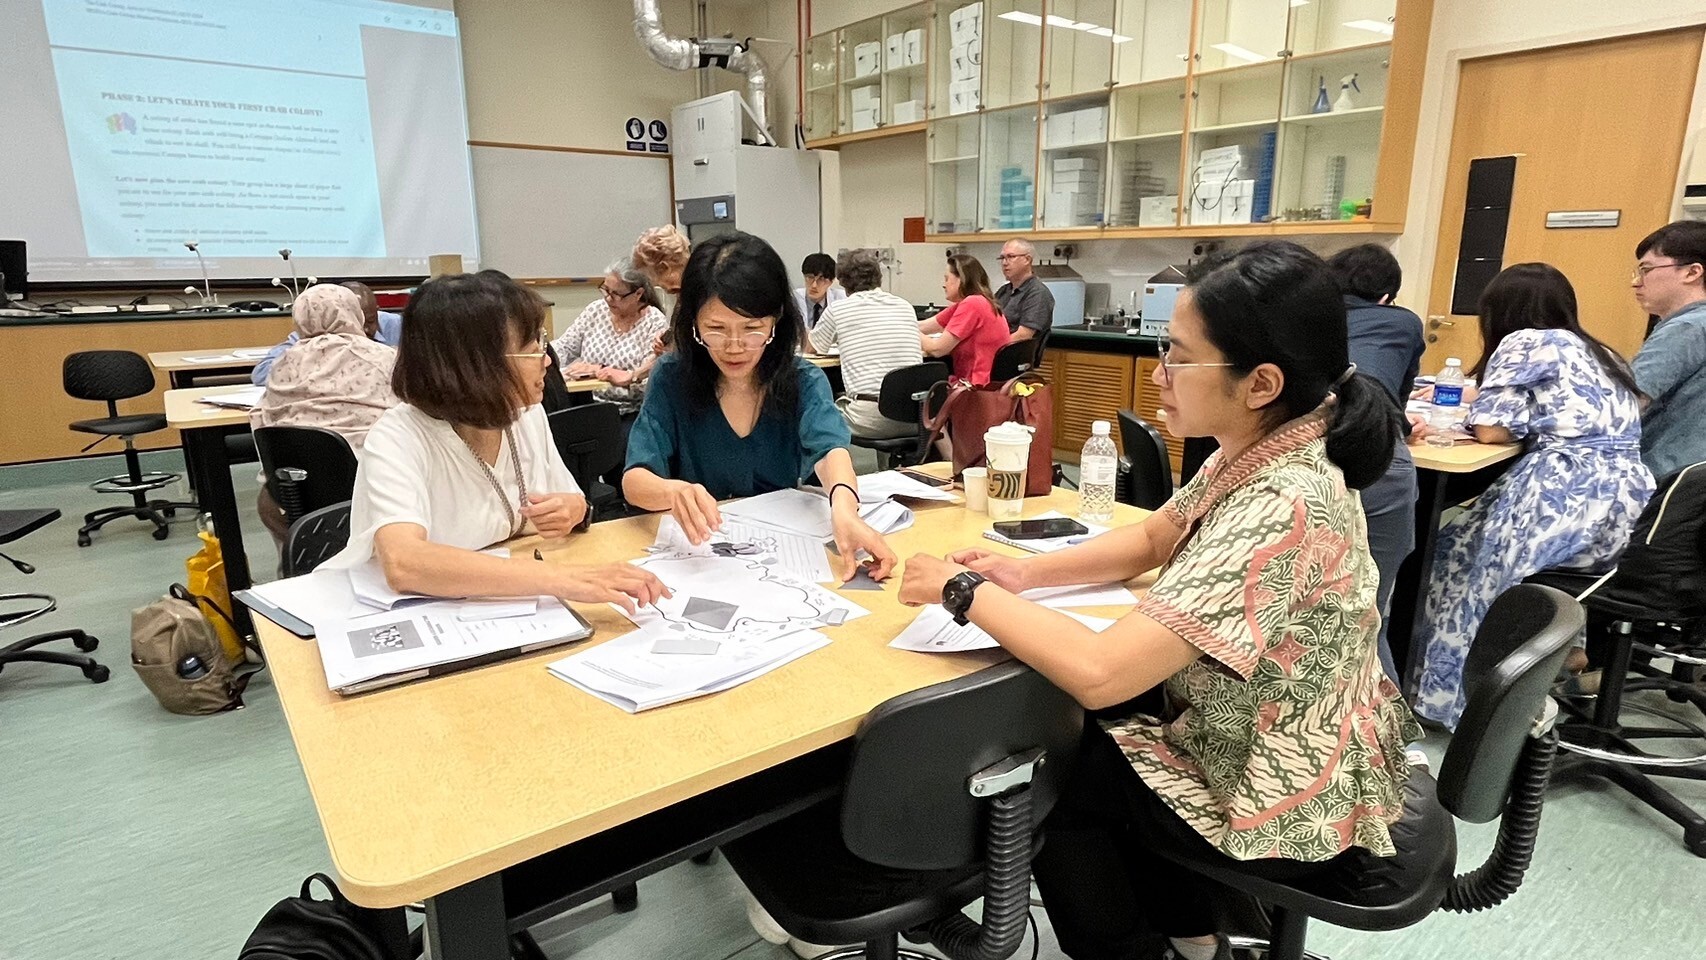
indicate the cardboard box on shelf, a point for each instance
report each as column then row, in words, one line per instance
column 866, row 119
column 964, row 96
column 966, row 23
column 867, row 59
column 1066, row 164
column 909, row 111
column 912, row 43
column 1162, row 211
column 1090, row 125
column 894, row 51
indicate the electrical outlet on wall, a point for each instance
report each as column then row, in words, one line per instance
column 1066, row 251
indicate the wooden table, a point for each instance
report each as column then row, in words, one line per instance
column 204, row 430
column 824, row 361
column 184, row 367
column 1444, row 475
column 585, row 385
column 432, row 789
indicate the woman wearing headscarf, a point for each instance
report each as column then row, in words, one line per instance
column 333, row 377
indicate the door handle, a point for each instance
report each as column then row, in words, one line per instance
column 1435, row 322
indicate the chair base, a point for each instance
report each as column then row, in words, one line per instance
column 21, row 651
column 889, row 949
column 1255, row 945
column 154, row 511
column 128, row 485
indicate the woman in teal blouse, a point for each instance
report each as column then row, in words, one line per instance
column 734, row 411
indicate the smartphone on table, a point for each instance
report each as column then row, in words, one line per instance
column 1046, row 529
column 926, row 478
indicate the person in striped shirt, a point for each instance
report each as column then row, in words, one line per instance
column 876, row 332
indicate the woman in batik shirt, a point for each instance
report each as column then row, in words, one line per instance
column 1279, row 741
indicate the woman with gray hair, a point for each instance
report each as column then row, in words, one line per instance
column 612, row 338
column 876, row 332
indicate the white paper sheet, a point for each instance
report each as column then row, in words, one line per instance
column 1082, row 595
column 801, row 556
column 1051, row 544
column 627, row 673
column 400, row 642
column 740, row 598
column 934, row 631
column 874, row 487
column 245, row 399
column 887, row 516
column 371, row 587
column 805, row 512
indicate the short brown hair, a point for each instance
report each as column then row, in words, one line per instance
column 660, row 249
column 452, row 361
column 859, row 270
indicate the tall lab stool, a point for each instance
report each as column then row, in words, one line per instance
column 110, row 376
column 16, row 524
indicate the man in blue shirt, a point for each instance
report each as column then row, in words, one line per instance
column 1670, row 283
column 382, row 325
column 1385, row 343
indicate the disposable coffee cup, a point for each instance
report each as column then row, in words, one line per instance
column 1008, row 449
column 976, row 483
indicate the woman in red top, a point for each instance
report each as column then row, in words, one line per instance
column 971, row 329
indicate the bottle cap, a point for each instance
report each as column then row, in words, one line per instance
column 1099, row 428
column 1453, row 362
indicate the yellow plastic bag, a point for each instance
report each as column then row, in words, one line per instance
column 207, row 581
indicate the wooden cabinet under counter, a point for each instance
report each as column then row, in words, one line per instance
column 1096, row 385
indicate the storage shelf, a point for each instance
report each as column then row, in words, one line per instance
column 1091, row 145
column 1338, row 116
column 909, row 68
column 1227, row 127
column 1302, row 228
column 820, row 88
column 892, row 130
column 956, row 159
column 1142, row 137
column 1339, row 51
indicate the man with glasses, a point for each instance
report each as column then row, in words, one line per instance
column 1024, row 300
column 820, row 290
column 1670, row 283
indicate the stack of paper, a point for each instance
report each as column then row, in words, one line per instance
column 806, row 512
column 655, row 665
column 798, row 555
column 247, row 398
column 934, row 631
column 876, row 487
column 1050, row 544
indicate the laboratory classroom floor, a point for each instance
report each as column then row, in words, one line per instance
column 128, row 832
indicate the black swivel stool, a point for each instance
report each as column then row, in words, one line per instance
column 110, row 376
column 15, row 524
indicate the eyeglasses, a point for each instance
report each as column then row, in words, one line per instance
column 610, row 294
column 538, row 354
column 1168, row 366
column 751, row 340
column 1641, row 270
column 1012, row 256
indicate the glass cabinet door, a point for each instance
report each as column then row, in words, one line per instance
column 1322, row 26
column 821, row 95
column 861, row 76
column 952, row 159
column 1012, row 46
column 1074, row 162
column 1234, row 33
column 1145, row 139
column 956, row 76
column 1329, row 144
column 1009, row 169
column 1080, row 48
column 1151, row 40
column 906, row 86
column 1234, row 137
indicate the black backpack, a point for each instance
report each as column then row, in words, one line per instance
column 303, row 928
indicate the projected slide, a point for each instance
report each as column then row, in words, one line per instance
column 334, row 128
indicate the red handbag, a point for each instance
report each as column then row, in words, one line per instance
column 969, row 411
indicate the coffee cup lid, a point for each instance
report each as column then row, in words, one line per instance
column 1009, row 432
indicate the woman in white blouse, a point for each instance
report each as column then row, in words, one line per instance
column 612, row 338
column 467, row 460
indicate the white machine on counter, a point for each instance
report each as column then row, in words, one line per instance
column 1068, row 288
column 1159, row 294
column 723, row 185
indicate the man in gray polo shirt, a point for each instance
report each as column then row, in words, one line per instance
column 1670, row 283
column 1024, row 300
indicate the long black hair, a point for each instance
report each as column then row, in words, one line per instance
column 1275, row 302
column 747, row 275
column 1537, row 296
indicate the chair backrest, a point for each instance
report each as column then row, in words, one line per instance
column 1012, row 360
column 1663, row 570
column 107, row 375
column 306, row 468
column 316, row 538
column 904, row 388
column 1512, row 664
column 589, row 437
column 557, row 395
column 906, row 803
column 1197, row 452
column 1151, row 481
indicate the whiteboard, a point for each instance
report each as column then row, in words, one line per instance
column 553, row 213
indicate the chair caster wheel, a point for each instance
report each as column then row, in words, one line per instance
column 625, row 899
column 161, row 533
column 169, row 511
column 1694, row 838
column 86, row 644
column 96, row 673
column 83, row 540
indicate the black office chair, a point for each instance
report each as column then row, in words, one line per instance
column 1012, row 360
column 110, row 376
column 316, row 538
column 1496, row 768
column 14, row 525
column 306, row 468
column 900, row 399
column 589, row 437
column 1145, row 474
column 1196, row 453
column 944, row 794
column 1647, row 617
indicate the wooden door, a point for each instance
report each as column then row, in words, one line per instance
column 1595, row 126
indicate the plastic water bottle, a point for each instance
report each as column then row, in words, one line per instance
column 1447, row 403
column 1096, row 472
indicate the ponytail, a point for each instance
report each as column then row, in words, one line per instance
column 1364, row 427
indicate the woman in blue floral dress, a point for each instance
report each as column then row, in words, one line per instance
column 1573, row 496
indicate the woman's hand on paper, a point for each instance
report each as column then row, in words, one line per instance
column 1008, row 573
column 580, row 370
column 555, row 515
column 616, row 376
column 853, row 534
column 695, row 509
column 922, row 580
column 623, row 584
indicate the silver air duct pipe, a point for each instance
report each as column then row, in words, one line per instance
column 693, row 54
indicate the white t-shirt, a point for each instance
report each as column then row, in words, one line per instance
column 415, row 469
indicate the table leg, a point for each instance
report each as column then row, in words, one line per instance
column 212, row 473
column 468, row 923
column 1409, row 590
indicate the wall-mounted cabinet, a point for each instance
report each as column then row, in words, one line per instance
column 1138, row 117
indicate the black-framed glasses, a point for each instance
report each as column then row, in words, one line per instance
column 1168, row 366
column 751, row 340
column 610, row 294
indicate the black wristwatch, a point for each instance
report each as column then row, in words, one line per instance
column 957, row 594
